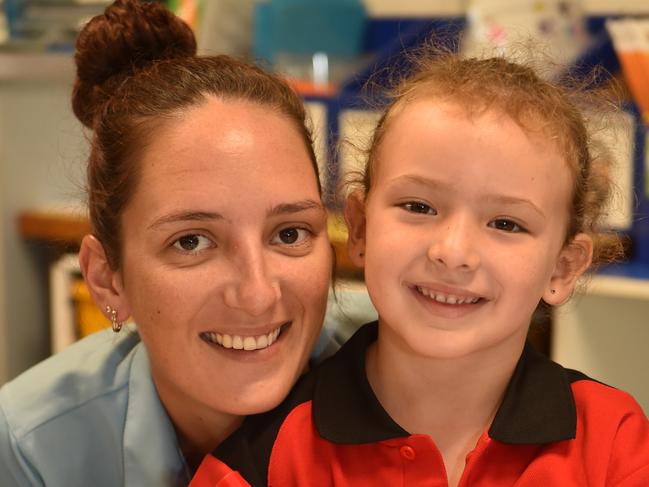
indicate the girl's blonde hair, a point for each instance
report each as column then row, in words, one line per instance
column 537, row 105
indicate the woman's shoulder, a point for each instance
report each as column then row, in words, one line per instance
column 91, row 368
column 71, row 400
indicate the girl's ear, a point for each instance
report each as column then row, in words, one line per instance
column 355, row 219
column 105, row 285
column 574, row 259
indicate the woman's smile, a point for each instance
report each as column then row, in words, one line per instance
column 242, row 341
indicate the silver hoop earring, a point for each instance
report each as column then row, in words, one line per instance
column 114, row 322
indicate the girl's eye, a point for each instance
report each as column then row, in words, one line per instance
column 192, row 243
column 506, row 225
column 290, row 236
column 419, row 207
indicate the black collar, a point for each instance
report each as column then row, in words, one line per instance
column 538, row 406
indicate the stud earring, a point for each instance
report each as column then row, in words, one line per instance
column 553, row 291
column 114, row 322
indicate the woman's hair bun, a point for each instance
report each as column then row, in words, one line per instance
column 128, row 36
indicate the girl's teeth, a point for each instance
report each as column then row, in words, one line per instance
column 446, row 298
column 239, row 342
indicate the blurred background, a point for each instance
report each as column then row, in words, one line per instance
column 329, row 49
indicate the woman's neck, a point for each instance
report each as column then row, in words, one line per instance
column 199, row 428
column 198, row 436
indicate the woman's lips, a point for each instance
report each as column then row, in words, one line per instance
column 243, row 342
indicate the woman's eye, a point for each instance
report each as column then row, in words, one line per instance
column 506, row 225
column 290, row 236
column 192, row 243
column 419, row 207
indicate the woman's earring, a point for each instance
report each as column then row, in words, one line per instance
column 115, row 323
column 553, row 291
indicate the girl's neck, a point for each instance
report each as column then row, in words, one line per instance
column 452, row 400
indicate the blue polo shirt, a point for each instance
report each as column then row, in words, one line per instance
column 89, row 415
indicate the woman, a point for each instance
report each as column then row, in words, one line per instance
column 209, row 232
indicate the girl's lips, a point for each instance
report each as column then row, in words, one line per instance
column 454, row 298
column 243, row 342
column 447, row 295
column 447, row 305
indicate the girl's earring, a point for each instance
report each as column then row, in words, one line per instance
column 553, row 291
column 114, row 322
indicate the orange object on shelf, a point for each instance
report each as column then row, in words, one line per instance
column 309, row 88
column 631, row 42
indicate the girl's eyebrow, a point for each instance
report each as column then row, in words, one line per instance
column 490, row 198
column 421, row 180
column 185, row 216
column 513, row 200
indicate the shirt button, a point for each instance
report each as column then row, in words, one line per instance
column 407, row 452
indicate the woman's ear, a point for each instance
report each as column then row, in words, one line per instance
column 574, row 259
column 105, row 284
column 355, row 219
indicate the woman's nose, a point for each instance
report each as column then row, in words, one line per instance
column 253, row 288
column 456, row 247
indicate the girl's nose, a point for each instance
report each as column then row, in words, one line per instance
column 253, row 288
column 457, row 247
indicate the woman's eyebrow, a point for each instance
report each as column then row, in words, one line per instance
column 295, row 207
column 185, row 216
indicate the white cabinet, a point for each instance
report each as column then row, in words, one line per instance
column 604, row 332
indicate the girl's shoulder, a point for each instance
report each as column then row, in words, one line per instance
column 596, row 401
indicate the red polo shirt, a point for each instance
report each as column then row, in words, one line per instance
column 555, row 427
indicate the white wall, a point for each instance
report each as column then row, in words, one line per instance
column 41, row 162
column 397, row 8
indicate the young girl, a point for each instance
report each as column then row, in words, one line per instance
column 479, row 203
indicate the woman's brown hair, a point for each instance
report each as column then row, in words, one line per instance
column 137, row 69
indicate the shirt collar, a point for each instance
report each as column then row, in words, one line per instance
column 151, row 452
column 538, row 406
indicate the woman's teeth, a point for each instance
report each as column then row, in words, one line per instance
column 239, row 342
column 447, row 298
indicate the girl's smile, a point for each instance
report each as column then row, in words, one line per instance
column 455, row 304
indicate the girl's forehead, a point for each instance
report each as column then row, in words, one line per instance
column 437, row 113
column 432, row 136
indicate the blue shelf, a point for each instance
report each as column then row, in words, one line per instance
column 633, row 270
column 385, row 44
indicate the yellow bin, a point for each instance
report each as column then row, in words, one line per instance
column 89, row 317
